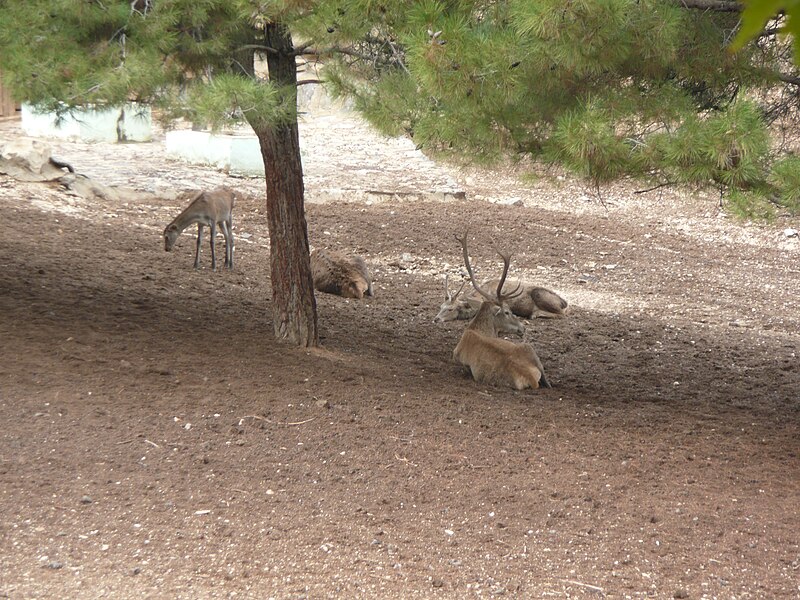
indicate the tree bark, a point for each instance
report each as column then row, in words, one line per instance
column 294, row 308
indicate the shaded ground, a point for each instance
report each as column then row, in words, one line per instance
column 158, row 443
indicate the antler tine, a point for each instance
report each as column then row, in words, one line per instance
column 463, row 242
column 501, row 297
column 447, row 295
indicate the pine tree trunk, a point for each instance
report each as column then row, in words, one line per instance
column 294, row 308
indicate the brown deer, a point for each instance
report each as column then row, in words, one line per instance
column 489, row 358
column 206, row 209
column 453, row 309
column 340, row 274
column 532, row 302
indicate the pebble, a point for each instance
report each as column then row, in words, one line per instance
column 86, row 500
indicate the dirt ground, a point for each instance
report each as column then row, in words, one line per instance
column 158, row 443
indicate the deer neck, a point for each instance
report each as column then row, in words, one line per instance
column 483, row 321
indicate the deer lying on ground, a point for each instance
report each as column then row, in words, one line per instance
column 206, row 209
column 340, row 274
column 453, row 309
column 489, row 358
column 530, row 303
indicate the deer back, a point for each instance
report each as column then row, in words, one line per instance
column 499, row 362
column 337, row 273
column 548, row 303
column 532, row 302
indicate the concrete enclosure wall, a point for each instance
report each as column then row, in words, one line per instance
column 129, row 123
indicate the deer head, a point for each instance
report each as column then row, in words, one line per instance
column 453, row 309
column 494, row 316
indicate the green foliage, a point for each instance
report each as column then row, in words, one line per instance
column 585, row 142
column 758, row 12
column 606, row 87
column 751, row 205
column 230, row 98
column 785, row 179
column 730, row 148
column 181, row 56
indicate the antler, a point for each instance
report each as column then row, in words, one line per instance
column 482, row 292
column 447, row 295
column 517, row 290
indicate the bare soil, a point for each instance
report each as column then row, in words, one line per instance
column 157, row 442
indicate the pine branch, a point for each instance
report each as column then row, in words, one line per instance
column 712, row 5
column 792, row 79
column 660, row 185
column 267, row 49
column 339, row 50
column 301, row 50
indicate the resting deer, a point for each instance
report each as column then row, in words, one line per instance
column 489, row 358
column 337, row 273
column 531, row 302
column 453, row 309
column 206, row 209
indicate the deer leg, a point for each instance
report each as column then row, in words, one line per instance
column 199, row 242
column 228, row 233
column 224, row 226
column 213, row 247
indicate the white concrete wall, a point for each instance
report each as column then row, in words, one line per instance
column 131, row 123
column 232, row 153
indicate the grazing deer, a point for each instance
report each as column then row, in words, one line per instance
column 489, row 358
column 453, row 309
column 532, row 302
column 340, row 274
column 206, row 209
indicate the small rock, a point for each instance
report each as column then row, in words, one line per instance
column 86, row 500
column 54, row 565
column 437, row 583
column 323, row 403
column 680, row 593
column 789, row 232
column 136, row 570
column 512, row 201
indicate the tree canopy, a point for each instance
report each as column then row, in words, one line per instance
column 606, row 88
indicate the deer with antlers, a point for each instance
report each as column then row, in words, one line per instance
column 491, row 359
column 455, row 309
column 531, row 302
